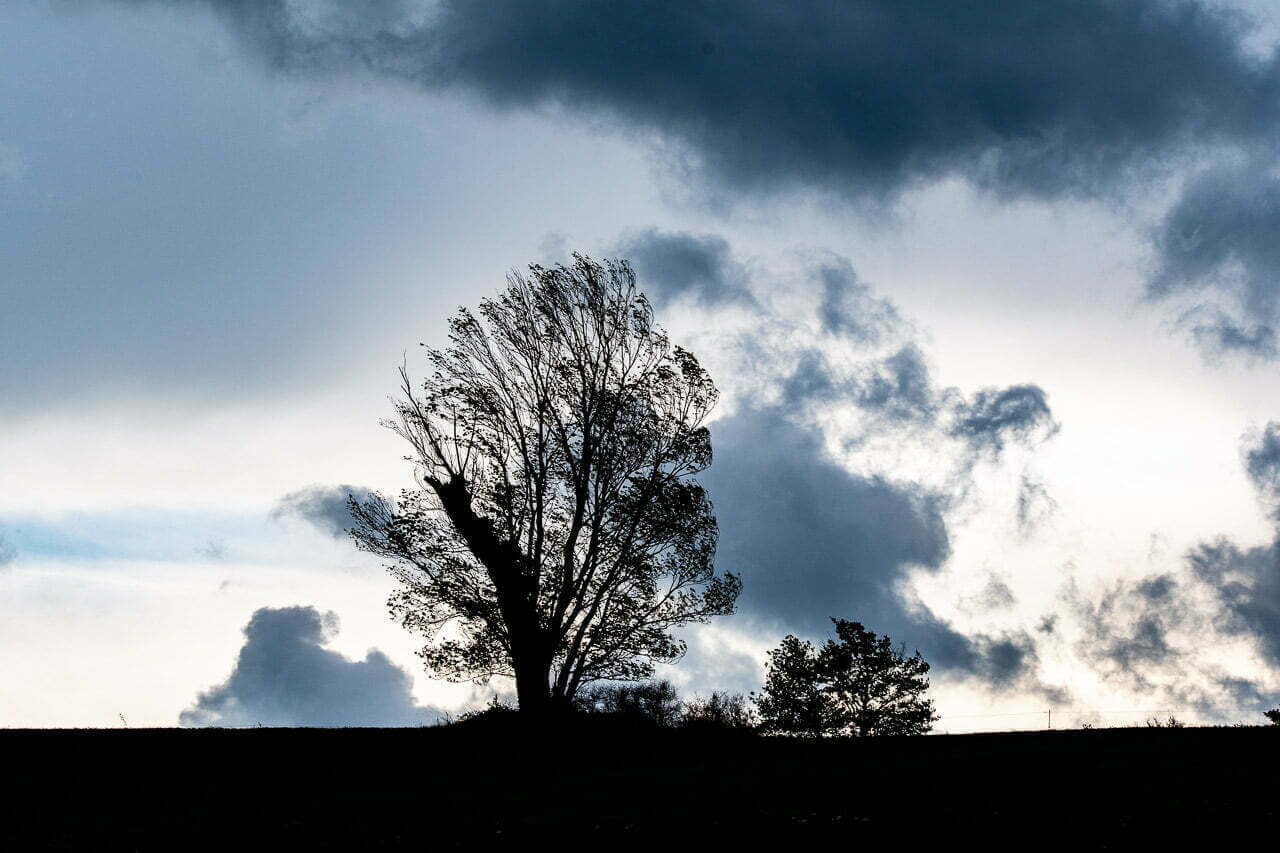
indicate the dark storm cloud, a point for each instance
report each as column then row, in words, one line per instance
column 323, row 506
column 1219, row 239
column 856, row 98
column 285, row 677
column 674, row 264
column 813, row 541
column 1247, row 582
column 997, row 415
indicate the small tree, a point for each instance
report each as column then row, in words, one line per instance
column 559, row 533
column 1273, row 715
column 861, row 685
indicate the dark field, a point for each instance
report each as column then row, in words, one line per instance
column 610, row 786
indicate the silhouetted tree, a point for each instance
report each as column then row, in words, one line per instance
column 861, row 685
column 1273, row 715
column 559, row 533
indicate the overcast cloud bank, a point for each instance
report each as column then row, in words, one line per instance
column 857, row 98
column 865, row 99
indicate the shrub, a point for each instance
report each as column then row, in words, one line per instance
column 1171, row 722
column 721, row 711
column 654, row 701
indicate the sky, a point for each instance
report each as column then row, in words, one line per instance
column 991, row 292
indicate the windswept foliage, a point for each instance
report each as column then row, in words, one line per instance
column 559, row 533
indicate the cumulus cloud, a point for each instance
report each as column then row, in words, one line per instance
column 890, row 383
column 813, row 541
column 676, row 264
column 858, row 98
column 1247, row 582
column 1218, row 243
column 285, row 677
column 323, row 506
column 816, row 536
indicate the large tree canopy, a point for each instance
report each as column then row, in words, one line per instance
column 559, row 533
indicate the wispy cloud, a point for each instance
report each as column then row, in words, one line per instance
column 323, row 506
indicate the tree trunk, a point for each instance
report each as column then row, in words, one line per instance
column 516, row 591
column 532, row 688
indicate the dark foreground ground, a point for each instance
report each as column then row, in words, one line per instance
column 613, row 787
